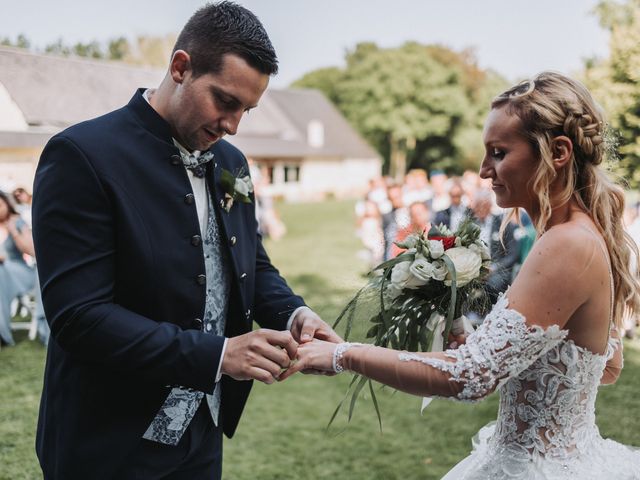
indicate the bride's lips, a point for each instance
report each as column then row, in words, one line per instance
column 496, row 186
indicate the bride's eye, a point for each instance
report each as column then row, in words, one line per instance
column 497, row 153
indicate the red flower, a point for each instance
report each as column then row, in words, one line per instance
column 447, row 242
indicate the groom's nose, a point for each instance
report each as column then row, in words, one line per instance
column 230, row 122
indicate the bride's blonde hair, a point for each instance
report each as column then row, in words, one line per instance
column 550, row 105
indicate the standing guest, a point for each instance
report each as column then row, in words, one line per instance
column 16, row 277
column 453, row 215
column 370, row 233
column 394, row 220
column 416, row 187
column 378, row 193
column 440, row 197
column 505, row 251
column 152, row 270
column 420, row 218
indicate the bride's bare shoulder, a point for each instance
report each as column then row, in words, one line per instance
column 558, row 271
column 570, row 242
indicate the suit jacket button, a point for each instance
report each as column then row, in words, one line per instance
column 196, row 240
column 233, row 240
column 242, row 277
column 176, row 159
column 189, row 198
column 201, row 279
column 248, row 314
column 197, row 323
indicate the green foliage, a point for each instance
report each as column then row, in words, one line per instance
column 21, row 41
column 615, row 82
column 58, row 48
column 118, row 48
column 90, row 49
column 144, row 50
column 420, row 106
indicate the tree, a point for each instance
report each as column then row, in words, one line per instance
column 118, row 48
column 91, row 50
column 615, row 82
column 418, row 105
column 21, row 42
column 324, row 79
column 151, row 50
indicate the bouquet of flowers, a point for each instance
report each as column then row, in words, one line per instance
column 422, row 294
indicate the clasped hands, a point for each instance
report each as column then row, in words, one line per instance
column 270, row 355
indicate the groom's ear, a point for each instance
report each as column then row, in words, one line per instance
column 180, row 65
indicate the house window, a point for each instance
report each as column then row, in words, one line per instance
column 291, row 173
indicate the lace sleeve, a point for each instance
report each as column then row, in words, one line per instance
column 502, row 347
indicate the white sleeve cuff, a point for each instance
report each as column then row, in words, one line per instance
column 293, row 316
column 219, row 374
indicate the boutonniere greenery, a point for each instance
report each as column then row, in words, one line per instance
column 236, row 188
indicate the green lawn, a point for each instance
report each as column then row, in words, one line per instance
column 282, row 434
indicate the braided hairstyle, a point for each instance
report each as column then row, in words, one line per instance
column 550, row 105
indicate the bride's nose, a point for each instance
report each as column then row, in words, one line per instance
column 486, row 168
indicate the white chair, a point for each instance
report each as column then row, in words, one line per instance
column 25, row 306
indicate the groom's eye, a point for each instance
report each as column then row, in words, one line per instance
column 226, row 103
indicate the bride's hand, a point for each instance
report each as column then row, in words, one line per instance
column 314, row 355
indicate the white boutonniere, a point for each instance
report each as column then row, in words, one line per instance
column 235, row 187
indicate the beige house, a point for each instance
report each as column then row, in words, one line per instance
column 301, row 147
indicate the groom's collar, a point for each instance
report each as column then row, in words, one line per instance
column 150, row 119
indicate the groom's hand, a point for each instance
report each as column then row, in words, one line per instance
column 308, row 325
column 259, row 355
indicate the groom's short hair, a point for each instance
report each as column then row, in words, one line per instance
column 224, row 28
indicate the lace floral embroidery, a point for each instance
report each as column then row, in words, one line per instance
column 502, row 347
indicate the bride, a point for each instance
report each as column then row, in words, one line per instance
column 553, row 338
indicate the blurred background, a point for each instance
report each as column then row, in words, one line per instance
column 371, row 130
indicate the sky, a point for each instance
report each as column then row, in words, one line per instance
column 517, row 38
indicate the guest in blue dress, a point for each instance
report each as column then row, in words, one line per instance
column 16, row 276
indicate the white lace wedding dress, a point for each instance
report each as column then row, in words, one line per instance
column 546, row 423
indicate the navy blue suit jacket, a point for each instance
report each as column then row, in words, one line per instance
column 123, row 287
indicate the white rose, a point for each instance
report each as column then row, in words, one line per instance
column 421, row 269
column 244, row 186
column 467, row 263
column 440, row 271
column 401, row 277
column 436, row 248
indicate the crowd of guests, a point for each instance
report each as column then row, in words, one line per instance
column 18, row 275
column 390, row 211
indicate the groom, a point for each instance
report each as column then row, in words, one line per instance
column 151, row 275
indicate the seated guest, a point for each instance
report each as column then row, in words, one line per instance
column 16, row 277
column 505, row 251
column 23, row 201
column 419, row 217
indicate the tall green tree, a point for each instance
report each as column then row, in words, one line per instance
column 420, row 106
column 615, row 82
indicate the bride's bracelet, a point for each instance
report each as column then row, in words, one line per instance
column 338, row 355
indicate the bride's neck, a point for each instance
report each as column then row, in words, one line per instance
column 559, row 214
